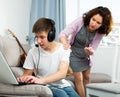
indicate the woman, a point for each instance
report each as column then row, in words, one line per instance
column 86, row 33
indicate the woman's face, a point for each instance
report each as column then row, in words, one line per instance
column 95, row 23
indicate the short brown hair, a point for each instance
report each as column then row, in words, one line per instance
column 43, row 24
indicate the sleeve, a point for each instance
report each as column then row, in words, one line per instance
column 96, row 41
column 29, row 62
column 71, row 28
column 65, row 55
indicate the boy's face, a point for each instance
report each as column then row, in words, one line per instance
column 42, row 39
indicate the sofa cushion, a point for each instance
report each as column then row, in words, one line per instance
column 25, row 90
column 106, row 87
column 100, row 78
column 95, row 78
column 17, row 71
column 10, row 50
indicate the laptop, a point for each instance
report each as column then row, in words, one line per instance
column 6, row 74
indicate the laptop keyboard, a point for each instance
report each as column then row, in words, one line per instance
column 25, row 83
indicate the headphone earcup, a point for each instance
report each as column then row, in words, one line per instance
column 51, row 36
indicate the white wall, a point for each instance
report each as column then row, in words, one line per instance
column 14, row 15
column 72, row 10
column 113, row 5
column 107, row 60
column 116, row 67
column 76, row 8
column 104, row 60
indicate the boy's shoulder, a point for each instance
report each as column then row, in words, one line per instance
column 63, row 49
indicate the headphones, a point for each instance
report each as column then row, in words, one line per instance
column 51, row 34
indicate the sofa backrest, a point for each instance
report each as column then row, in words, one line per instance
column 11, row 50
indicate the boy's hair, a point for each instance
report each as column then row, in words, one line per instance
column 47, row 25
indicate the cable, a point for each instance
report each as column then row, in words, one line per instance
column 38, row 61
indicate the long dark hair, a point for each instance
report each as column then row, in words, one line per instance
column 107, row 19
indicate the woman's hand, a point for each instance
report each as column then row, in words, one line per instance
column 89, row 50
column 66, row 46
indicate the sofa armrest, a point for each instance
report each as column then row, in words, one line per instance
column 25, row 90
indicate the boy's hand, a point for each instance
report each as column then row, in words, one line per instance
column 31, row 79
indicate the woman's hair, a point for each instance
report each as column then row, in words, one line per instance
column 43, row 24
column 107, row 19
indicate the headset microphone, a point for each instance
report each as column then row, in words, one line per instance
column 36, row 45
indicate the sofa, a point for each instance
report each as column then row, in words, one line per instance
column 12, row 52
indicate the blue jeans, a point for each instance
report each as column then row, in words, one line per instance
column 63, row 92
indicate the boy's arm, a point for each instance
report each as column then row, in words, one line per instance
column 60, row 74
column 27, row 72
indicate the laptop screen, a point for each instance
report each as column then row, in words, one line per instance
column 6, row 74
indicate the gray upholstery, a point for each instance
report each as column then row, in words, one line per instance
column 103, row 90
column 9, row 47
column 100, row 78
column 25, row 90
column 106, row 87
column 12, row 53
column 95, row 78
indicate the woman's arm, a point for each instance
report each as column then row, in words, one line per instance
column 71, row 31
